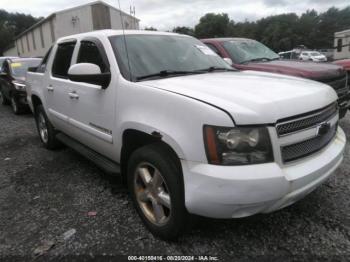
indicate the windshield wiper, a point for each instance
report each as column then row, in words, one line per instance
column 214, row 68
column 165, row 73
column 259, row 59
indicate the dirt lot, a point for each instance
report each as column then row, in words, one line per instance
column 43, row 194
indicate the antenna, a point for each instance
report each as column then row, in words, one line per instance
column 126, row 47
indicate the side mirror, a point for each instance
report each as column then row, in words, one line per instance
column 89, row 73
column 229, row 61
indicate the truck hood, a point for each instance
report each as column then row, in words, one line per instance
column 251, row 97
column 311, row 70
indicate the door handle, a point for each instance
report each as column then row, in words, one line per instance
column 50, row 88
column 73, row 95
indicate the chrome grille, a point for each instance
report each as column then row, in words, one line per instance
column 308, row 147
column 298, row 123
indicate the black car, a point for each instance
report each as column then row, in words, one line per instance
column 12, row 82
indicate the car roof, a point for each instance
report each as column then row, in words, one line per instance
column 226, row 39
column 109, row 32
column 19, row 59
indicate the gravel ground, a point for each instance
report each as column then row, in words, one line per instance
column 43, row 194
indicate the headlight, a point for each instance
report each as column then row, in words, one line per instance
column 237, row 145
column 18, row 85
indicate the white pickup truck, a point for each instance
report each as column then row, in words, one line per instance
column 185, row 132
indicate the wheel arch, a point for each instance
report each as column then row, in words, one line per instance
column 133, row 139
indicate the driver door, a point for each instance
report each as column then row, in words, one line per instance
column 91, row 109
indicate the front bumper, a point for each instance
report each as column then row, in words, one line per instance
column 240, row 191
column 21, row 97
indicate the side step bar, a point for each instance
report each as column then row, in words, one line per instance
column 102, row 162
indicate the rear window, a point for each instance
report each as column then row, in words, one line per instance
column 19, row 68
column 63, row 59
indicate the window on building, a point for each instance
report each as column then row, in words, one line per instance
column 33, row 39
column 28, row 46
column 22, row 45
column 62, row 60
column 42, row 37
column 339, row 45
column 89, row 53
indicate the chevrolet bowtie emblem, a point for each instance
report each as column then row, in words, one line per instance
column 323, row 129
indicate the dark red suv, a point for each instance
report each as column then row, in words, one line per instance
column 248, row 54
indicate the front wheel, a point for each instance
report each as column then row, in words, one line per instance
column 156, row 187
column 46, row 130
column 3, row 99
column 16, row 108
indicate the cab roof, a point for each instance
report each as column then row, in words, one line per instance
column 109, row 32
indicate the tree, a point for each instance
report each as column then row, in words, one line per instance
column 212, row 25
column 12, row 24
column 150, row 28
column 184, row 30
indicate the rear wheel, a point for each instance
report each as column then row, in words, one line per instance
column 156, row 187
column 46, row 130
column 3, row 99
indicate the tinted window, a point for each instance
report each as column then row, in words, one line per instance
column 340, row 45
column 62, row 60
column 89, row 53
column 42, row 66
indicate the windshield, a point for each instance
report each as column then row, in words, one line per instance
column 19, row 68
column 246, row 51
column 151, row 54
column 315, row 54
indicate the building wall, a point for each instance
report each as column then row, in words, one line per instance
column 37, row 41
column 73, row 21
column 345, row 50
column 129, row 22
column 11, row 52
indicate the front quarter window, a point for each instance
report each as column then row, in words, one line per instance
column 151, row 54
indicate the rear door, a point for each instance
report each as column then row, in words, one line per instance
column 56, row 88
column 91, row 109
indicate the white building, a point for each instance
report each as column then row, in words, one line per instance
column 342, row 44
column 36, row 40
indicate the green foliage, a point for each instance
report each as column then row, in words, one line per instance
column 12, row 24
column 212, row 25
column 280, row 32
column 183, row 30
column 150, row 28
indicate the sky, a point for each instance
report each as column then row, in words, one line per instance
column 167, row 14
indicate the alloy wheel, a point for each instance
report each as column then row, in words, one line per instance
column 43, row 128
column 152, row 194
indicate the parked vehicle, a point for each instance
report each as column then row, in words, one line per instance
column 313, row 56
column 247, row 54
column 3, row 58
column 292, row 55
column 344, row 63
column 12, row 82
column 185, row 131
column 328, row 53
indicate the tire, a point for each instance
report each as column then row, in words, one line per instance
column 168, row 192
column 3, row 99
column 16, row 107
column 47, row 132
